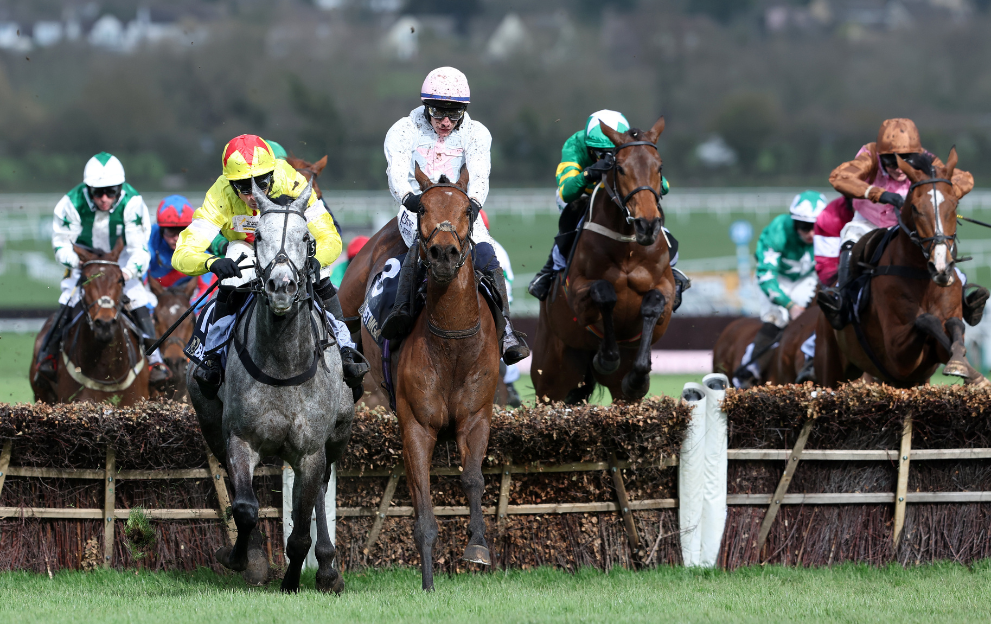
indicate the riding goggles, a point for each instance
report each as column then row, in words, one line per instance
column 890, row 161
column 599, row 154
column 109, row 191
column 803, row 226
column 454, row 114
column 244, row 186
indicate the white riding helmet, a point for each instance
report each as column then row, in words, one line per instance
column 103, row 170
column 446, row 84
column 807, row 206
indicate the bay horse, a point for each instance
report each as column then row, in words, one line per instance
column 913, row 320
column 614, row 301
column 309, row 170
column 172, row 302
column 283, row 394
column 447, row 369
column 787, row 360
column 102, row 356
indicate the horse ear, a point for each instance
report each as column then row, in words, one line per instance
column 190, row 288
column 118, row 248
column 612, row 135
column 84, row 254
column 421, row 178
column 913, row 174
column 462, row 182
column 263, row 201
column 156, row 286
column 656, row 130
column 319, row 166
column 951, row 163
column 300, row 202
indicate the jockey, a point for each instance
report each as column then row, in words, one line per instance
column 175, row 213
column 876, row 189
column 586, row 157
column 440, row 137
column 337, row 275
column 95, row 214
column 277, row 150
column 786, row 276
column 230, row 210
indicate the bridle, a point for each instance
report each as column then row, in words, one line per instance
column 281, row 257
column 104, row 301
column 464, row 243
column 928, row 243
column 613, row 191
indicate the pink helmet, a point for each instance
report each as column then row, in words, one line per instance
column 446, row 84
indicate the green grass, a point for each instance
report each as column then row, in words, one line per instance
column 670, row 385
column 847, row 593
column 15, row 358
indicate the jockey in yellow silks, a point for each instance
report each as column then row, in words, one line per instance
column 229, row 209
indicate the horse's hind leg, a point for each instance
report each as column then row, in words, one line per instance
column 328, row 578
column 418, row 449
column 473, row 441
column 306, row 488
column 636, row 383
column 606, row 361
column 241, row 462
column 958, row 365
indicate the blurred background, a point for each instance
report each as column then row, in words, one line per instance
column 762, row 98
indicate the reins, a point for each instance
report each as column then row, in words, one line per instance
column 927, row 244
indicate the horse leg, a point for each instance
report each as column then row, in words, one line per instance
column 307, row 486
column 958, row 365
column 418, row 449
column 606, row 360
column 328, row 577
column 241, row 462
column 472, row 442
column 636, row 383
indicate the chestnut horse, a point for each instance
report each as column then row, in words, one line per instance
column 913, row 321
column 787, row 360
column 102, row 357
column 309, row 170
column 447, row 368
column 615, row 299
column 172, row 302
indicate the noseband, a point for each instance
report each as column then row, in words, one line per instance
column 258, row 285
column 465, row 243
column 927, row 244
column 105, row 302
column 613, row 191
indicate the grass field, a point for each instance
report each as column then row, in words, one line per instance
column 943, row 593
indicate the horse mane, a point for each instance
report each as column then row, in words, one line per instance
column 635, row 133
column 926, row 160
column 443, row 179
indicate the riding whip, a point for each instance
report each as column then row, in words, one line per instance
column 192, row 307
column 987, row 225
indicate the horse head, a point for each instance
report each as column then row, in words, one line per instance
column 309, row 170
column 172, row 302
column 102, row 284
column 446, row 216
column 635, row 179
column 282, row 246
column 929, row 216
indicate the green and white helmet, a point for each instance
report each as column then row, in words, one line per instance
column 103, row 170
column 594, row 137
column 807, row 206
column 277, row 150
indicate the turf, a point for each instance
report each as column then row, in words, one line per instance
column 849, row 593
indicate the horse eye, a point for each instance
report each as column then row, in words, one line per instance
column 619, row 168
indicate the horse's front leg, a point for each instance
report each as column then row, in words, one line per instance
column 418, row 450
column 606, row 360
column 328, row 578
column 636, row 383
column 241, row 462
column 958, row 366
column 307, row 486
column 473, row 440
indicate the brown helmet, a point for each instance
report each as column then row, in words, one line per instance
column 898, row 136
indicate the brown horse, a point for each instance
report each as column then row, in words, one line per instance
column 447, row 368
column 102, row 357
column 615, row 300
column 913, row 320
column 309, row 170
column 172, row 302
column 787, row 360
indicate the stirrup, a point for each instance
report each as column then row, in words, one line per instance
column 831, row 302
column 540, row 285
column 355, row 367
column 398, row 324
column 209, row 376
column 974, row 299
column 514, row 348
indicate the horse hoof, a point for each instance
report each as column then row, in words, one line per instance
column 956, row 369
column 603, row 366
column 330, row 582
column 979, row 381
column 635, row 390
column 256, row 574
column 477, row 554
column 224, row 558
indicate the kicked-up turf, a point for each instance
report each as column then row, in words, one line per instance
column 848, row 593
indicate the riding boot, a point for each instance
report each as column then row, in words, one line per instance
column 52, row 344
column 759, row 356
column 681, row 283
column 399, row 323
column 540, row 285
column 974, row 299
column 209, row 375
column 353, row 362
column 831, row 300
column 808, row 372
column 514, row 348
column 159, row 373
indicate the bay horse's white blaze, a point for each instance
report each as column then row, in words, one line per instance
column 940, row 253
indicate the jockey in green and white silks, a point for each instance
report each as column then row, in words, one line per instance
column 786, row 277
column 95, row 214
column 586, row 157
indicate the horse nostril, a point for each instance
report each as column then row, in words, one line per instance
column 270, row 285
column 434, row 252
column 291, row 288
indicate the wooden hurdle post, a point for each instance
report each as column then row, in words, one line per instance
column 901, row 490
column 109, row 507
column 782, row 489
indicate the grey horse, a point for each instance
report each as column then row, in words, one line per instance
column 306, row 423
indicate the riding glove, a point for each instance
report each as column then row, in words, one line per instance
column 595, row 171
column 313, row 266
column 225, row 268
column 411, row 202
column 475, row 208
column 892, row 199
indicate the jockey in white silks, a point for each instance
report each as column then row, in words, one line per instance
column 440, row 137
